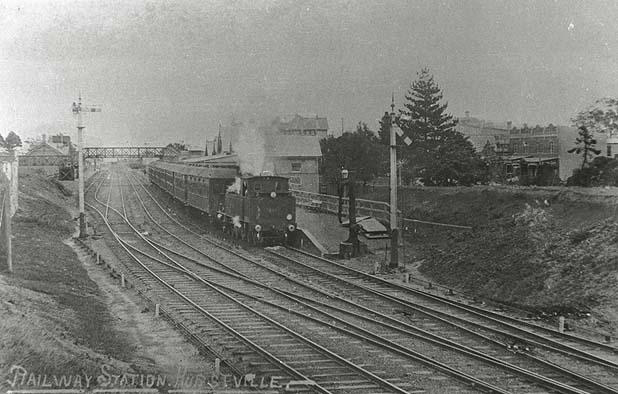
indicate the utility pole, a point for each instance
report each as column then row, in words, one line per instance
column 77, row 110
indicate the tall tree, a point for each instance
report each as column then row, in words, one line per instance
column 585, row 146
column 359, row 152
column 12, row 141
column 384, row 133
column 438, row 154
column 600, row 117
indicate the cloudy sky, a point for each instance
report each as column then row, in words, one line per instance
column 167, row 71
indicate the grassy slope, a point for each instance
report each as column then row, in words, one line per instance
column 553, row 250
column 53, row 317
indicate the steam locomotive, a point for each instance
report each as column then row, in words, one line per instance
column 259, row 209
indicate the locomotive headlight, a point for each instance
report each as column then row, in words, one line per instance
column 291, row 227
column 258, row 228
column 219, row 216
column 273, row 194
column 289, row 216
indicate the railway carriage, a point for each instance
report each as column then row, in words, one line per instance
column 260, row 209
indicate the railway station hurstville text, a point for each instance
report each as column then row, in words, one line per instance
column 20, row 378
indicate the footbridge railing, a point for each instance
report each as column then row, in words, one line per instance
column 132, row 152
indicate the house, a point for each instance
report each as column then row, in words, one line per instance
column 302, row 126
column 44, row 157
column 285, row 147
column 296, row 157
column 480, row 133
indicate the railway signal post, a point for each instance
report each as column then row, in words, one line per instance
column 77, row 110
column 394, row 132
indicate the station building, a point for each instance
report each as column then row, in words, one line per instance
column 286, row 147
column 293, row 148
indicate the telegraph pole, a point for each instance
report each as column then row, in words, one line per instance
column 77, row 110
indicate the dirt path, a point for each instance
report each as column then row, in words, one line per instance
column 62, row 315
column 155, row 345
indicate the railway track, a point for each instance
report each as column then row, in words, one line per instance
column 295, row 357
column 530, row 332
column 440, row 314
column 279, row 289
column 578, row 379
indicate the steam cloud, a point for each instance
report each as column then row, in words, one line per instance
column 236, row 221
column 235, row 187
column 251, row 150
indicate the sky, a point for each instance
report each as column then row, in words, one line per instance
column 170, row 71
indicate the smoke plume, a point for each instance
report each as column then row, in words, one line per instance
column 250, row 149
column 235, row 187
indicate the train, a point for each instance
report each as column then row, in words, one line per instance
column 258, row 209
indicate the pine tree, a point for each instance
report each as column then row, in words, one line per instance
column 384, row 133
column 439, row 154
column 586, row 143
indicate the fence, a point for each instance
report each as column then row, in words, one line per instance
column 8, row 199
column 327, row 203
column 377, row 209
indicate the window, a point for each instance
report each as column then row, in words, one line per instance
column 609, row 150
column 296, row 167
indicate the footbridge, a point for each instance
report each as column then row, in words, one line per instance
column 132, row 152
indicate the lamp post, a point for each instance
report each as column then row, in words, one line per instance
column 347, row 180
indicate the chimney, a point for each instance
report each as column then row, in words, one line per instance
column 509, row 125
column 44, row 138
column 467, row 114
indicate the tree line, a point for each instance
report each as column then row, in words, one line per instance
column 439, row 155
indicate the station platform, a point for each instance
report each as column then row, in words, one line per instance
column 325, row 232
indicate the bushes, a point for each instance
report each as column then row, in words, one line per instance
column 602, row 171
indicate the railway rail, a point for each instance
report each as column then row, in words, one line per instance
column 581, row 378
column 356, row 311
column 206, row 304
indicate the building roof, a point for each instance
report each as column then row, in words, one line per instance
column 294, row 146
column 233, row 158
column 44, row 149
column 302, row 123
